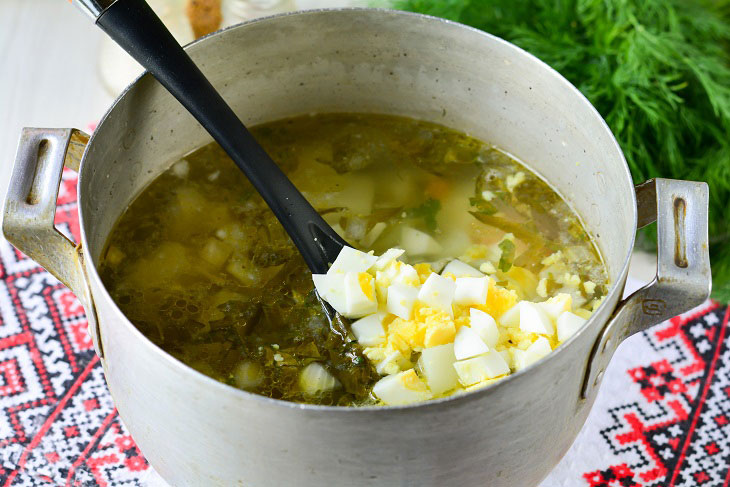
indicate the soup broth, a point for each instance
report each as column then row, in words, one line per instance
column 203, row 269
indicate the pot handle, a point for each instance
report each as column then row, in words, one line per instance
column 30, row 208
column 683, row 279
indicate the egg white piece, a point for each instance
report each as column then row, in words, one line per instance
column 407, row 275
column 352, row 260
column 331, row 287
column 461, row 269
column 557, row 305
column 437, row 367
column 485, row 326
column 402, row 388
column 438, row 292
column 471, row 290
column 389, row 365
column 481, row 368
column 388, row 256
column 568, row 324
column 506, row 357
column 416, row 242
column 400, row 300
column 468, row 344
column 369, row 330
column 534, row 320
column 358, row 301
column 488, row 268
column 539, row 349
column 314, row 379
column 511, row 317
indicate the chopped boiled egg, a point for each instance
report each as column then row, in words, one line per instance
column 557, row 305
column 540, row 348
column 331, row 287
column 436, row 366
column 488, row 268
column 402, row 388
column 480, row 368
column 445, row 326
column 440, row 329
column 401, row 299
column 408, row 275
column 471, row 290
column 534, row 320
column 568, row 324
column 417, row 243
column 485, row 326
column 369, row 331
column 314, row 379
column 359, row 294
column 351, row 260
column 389, row 365
column 461, row 269
column 438, row 292
column 511, row 317
column 388, row 256
column 468, row 344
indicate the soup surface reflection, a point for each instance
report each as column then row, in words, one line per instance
column 202, row 267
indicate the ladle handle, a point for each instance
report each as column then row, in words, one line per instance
column 138, row 30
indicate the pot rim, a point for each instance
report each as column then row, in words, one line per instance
column 616, row 287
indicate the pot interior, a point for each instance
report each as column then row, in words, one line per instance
column 379, row 62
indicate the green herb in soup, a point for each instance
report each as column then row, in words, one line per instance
column 202, row 267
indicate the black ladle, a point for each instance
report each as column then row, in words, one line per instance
column 136, row 28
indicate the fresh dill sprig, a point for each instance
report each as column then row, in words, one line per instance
column 657, row 70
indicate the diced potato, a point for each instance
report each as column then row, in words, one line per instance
column 247, row 275
column 417, row 243
column 373, row 235
column 161, row 267
column 314, row 379
column 215, row 252
column 248, row 375
column 114, row 255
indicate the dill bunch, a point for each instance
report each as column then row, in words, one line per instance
column 658, row 71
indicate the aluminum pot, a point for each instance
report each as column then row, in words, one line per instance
column 198, row 432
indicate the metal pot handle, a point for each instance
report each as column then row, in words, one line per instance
column 683, row 279
column 30, row 208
